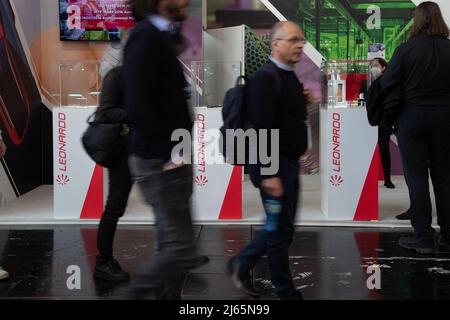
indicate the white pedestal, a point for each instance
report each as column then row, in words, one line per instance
column 349, row 165
column 217, row 187
column 79, row 184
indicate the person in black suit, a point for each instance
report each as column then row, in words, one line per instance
column 422, row 67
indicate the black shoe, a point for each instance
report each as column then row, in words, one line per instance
column 404, row 216
column 110, row 270
column 418, row 244
column 242, row 281
column 389, row 184
column 297, row 295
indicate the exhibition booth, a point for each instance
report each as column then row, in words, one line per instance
column 341, row 169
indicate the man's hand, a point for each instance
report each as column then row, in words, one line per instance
column 2, row 148
column 272, row 187
column 309, row 95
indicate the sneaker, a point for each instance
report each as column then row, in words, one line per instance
column 110, row 270
column 404, row 216
column 241, row 281
column 3, row 274
column 417, row 244
column 389, row 185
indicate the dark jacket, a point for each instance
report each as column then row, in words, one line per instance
column 382, row 110
column 111, row 109
column 279, row 104
column 155, row 96
column 421, row 66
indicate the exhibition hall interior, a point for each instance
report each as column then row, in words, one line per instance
column 53, row 194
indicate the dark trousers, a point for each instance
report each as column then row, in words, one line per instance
column 120, row 184
column 423, row 135
column 384, row 139
column 168, row 192
column 275, row 244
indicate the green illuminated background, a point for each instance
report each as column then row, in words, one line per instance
column 338, row 28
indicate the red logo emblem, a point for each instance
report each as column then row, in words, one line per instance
column 336, row 180
column 62, row 179
column 201, row 180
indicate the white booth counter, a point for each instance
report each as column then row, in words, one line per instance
column 348, row 144
column 79, row 183
column 81, row 186
column 349, row 165
column 217, row 187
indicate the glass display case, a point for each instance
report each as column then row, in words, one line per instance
column 79, row 84
column 345, row 83
column 211, row 80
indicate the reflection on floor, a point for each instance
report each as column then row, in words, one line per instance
column 327, row 263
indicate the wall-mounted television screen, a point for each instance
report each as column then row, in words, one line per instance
column 94, row 20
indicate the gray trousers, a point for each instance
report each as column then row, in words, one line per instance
column 169, row 193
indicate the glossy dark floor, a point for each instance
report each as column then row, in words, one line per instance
column 327, row 263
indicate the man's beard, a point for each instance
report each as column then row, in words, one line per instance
column 175, row 12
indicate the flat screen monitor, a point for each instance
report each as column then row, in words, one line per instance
column 94, row 20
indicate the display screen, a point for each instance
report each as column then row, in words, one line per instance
column 94, row 20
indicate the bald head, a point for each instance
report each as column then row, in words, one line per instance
column 279, row 29
column 287, row 41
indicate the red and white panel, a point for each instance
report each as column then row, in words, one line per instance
column 217, row 187
column 78, row 181
column 349, row 165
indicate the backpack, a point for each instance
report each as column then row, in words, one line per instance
column 234, row 115
column 105, row 142
column 383, row 110
column 374, row 106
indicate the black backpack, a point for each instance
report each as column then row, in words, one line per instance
column 105, row 142
column 234, row 115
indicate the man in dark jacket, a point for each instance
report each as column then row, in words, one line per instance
column 422, row 67
column 155, row 100
column 276, row 100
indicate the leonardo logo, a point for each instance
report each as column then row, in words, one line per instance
column 62, row 179
column 336, row 180
column 201, row 180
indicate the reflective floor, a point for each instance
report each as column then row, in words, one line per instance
column 327, row 263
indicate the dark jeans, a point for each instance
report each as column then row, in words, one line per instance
column 120, row 184
column 276, row 244
column 384, row 139
column 168, row 192
column 423, row 136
